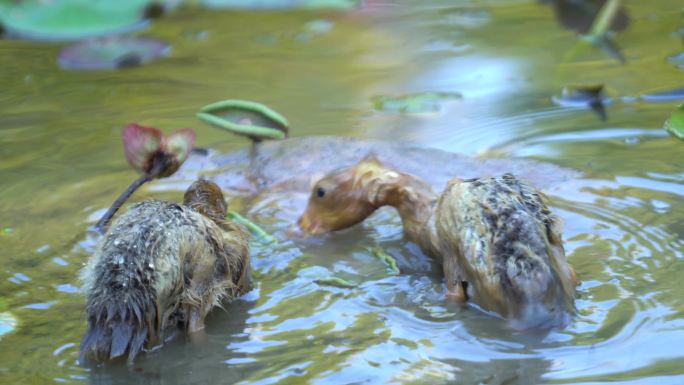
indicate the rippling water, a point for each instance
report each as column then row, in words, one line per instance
column 624, row 219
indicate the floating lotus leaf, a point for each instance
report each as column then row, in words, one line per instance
column 675, row 125
column 71, row 19
column 281, row 4
column 386, row 259
column 424, row 102
column 242, row 117
column 111, row 52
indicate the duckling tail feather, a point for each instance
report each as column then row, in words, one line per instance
column 117, row 327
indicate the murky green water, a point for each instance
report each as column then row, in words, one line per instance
column 61, row 161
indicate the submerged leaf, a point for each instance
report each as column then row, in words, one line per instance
column 242, row 117
column 72, row 19
column 423, row 102
column 112, row 52
column 675, row 125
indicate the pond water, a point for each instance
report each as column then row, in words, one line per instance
column 62, row 163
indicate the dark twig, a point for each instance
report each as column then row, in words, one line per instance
column 157, row 168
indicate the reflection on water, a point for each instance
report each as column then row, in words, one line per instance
column 62, row 162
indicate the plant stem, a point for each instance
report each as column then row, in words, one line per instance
column 251, row 226
column 158, row 166
column 104, row 221
column 387, row 259
column 604, row 18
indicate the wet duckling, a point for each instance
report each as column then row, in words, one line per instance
column 160, row 266
column 497, row 240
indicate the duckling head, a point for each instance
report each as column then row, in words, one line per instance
column 205, row 197
column 342, row 198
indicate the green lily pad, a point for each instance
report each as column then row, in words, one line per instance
column 281, row 4
column 675, row 125
column 8, row 323
column 111, row 52
column 242, row 117
column 423, row 102
column 71, row 19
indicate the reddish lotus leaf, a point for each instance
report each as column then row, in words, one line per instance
column 177, row 146
column 179, row 143
column 140, row 145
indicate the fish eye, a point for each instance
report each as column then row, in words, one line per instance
column 320, row 192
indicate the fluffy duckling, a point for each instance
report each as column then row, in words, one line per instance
column 162, row 265
column 497, row 240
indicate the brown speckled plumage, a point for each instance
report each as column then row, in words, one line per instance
column 496, row 238
column 159, row 266
column 498, row 235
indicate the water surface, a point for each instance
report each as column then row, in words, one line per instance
column 61, row 164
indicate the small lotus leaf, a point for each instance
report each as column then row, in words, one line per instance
column 423, row 102
column 111, row 52
column 281, row 4
column 71, row 19
column 140, row 145
column 675, row 125
column 242, row 117
column 179, row 143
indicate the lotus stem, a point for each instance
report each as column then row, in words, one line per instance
column 251, row 226
column 336, row 282
column 604, row 18
column 387, row 260
column 157, row 169
column 104, row 221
